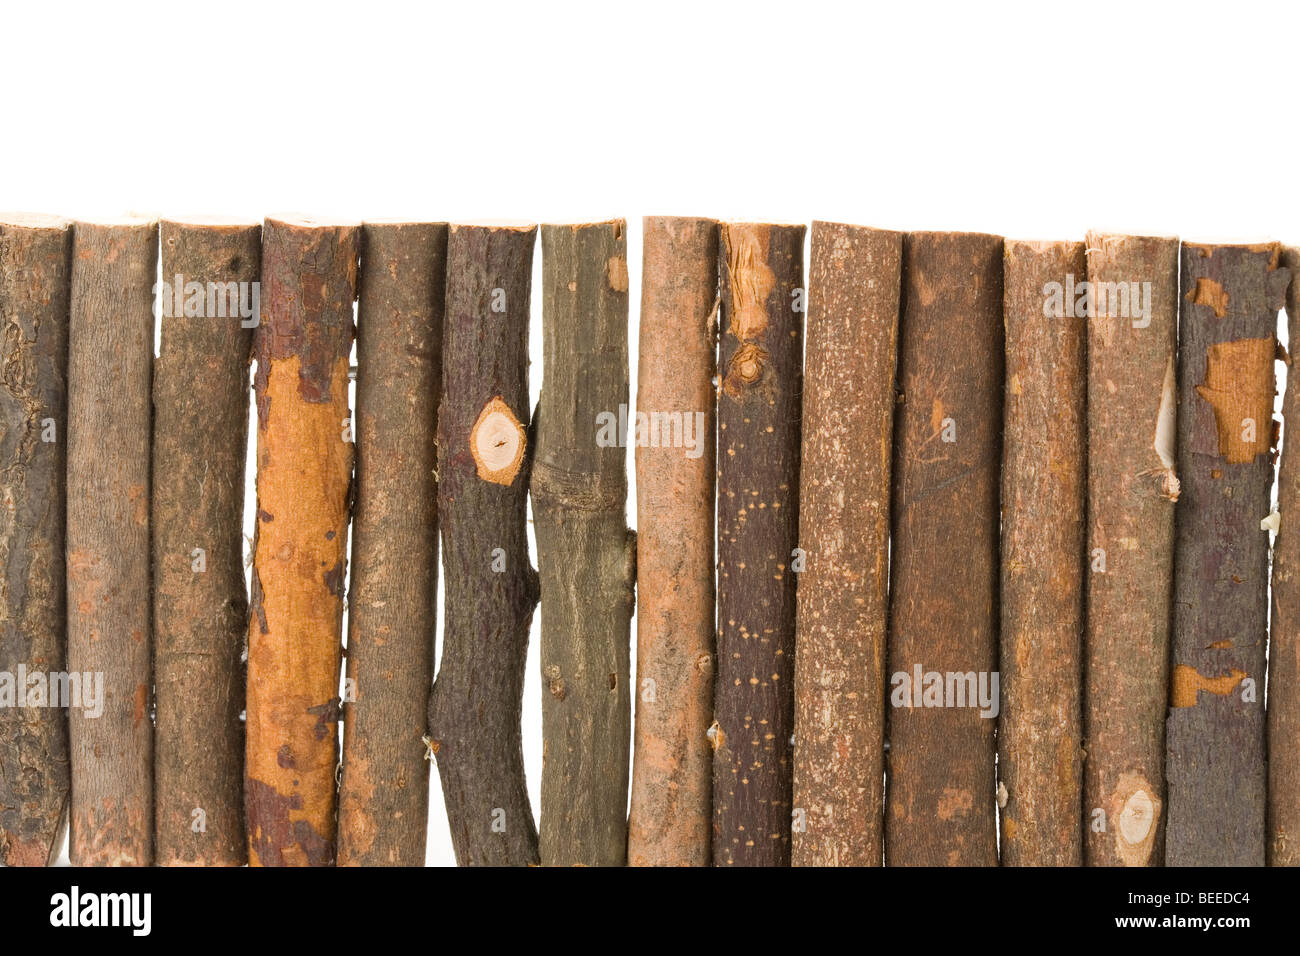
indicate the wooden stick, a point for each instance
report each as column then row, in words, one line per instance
column 1131, row 490
column 848, row 414
column 672, row 770
column 208, row 303
column 110, row 364
column 484, row 458
column 1284, row 637
column 34, row 275
column 943, row 605
column 758, row 521
column 1215, row 732
column 1044, row 472
column 384, row 795
column 586, row 556
column 304, row 473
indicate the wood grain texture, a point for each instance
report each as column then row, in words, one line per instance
column 110, row 366
column 672, row 769
column 34, row 275
column 1044, row 474
column 491, row 588
column 200, row 601
column 758, row 520
column 943, row 603
column 840, row 638
column 384, row 792
column 1215, row 732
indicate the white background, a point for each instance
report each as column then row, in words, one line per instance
column 1030, row 120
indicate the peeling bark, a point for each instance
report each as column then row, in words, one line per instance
column 384, row 793
column 758, row 522
column 110, row 366
column 1131, row 489
column 34, row 274
column 1044, row 471
column 490, row 589
column 1215, row 731
column 304, row 474
column 944, row 596
column 200, row 397
column 848, row 415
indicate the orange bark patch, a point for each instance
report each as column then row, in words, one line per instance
column 1188, row 683
column 1211, row 293
column 1239, row 387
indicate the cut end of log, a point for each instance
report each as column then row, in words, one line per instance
column 301, row 221
column 33, row 220
column 497, row 442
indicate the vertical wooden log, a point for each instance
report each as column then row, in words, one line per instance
column 1044, row 473
column 484, row 459
column 110, row 366
column 1284, row 636
column 848, row 418
column 34, row 275
column 1131, row 490
column 384, row 794
column 209, row 303
column 672, row 769
column 758, row 521
column 1215, row 731
column 586, row 556
column 304, row 475
column 943, row 605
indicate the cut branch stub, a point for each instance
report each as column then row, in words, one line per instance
column 498, row 443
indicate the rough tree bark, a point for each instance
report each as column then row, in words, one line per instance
column 943, row 605
column 1044, row 472
column 1284, row 637
column 848, row 417
column 1132, row 486
column 586, row 556
column 758, row 521
column 672, row 769
column 384, row 794
column 1215, row 732
column 34, row 275
column 110, row 366
column 200, row 397
column 304, row 474
column 484, row 457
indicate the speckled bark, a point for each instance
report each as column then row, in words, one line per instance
column 384, row 794
column 304, row 474
column 586, row 556
column 760, row 367
column 848, row 416
column 943, row 602
column 34, row 275
column 1215, row 732
column 1044, row 473
column 1284, row 636
column 490, row 589
column 110, row 366
column 672, row 769
column 200, row 397
column 1131, row 489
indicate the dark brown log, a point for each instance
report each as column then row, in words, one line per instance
column 672, row 769
column 484, row 459
column 1215, row 732
column 1131, row 489
column 586, row 556
column 848, row 417
column 208, row 304
column 304, row 474
column 34, row 276
column 1044, row 474
column 758, row 521
column 110, row 366
column 1284, row 627
column 384, row 794
column 944, row 569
